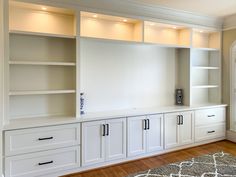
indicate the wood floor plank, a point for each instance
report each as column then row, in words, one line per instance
column 122, row 170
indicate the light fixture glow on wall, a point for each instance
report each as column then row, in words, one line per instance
column 95, row 15
column 125, row 20
column 44, row 8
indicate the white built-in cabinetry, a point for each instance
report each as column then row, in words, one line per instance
column 103, row 141
column 179, row 129
column 145, row 134
column 128, row 70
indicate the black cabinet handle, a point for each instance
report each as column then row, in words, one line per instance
column 178, row 120
column 148, row 123
column 107, row 125
column 211, row 115
column 145, row 124
column 213, row 131
column 45, row 163
column 47, row 138
column 103, row 130
column 182, row 119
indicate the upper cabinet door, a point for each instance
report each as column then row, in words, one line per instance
column 155, row 133
column 186, row 128
column 136, row 136
column 171, row 130
column 115, row 139
column 93, row 142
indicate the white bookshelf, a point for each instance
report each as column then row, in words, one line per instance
column 205, row 76
column 206, row 39
column 97, row 25
column 167, row 34
column 42, row 62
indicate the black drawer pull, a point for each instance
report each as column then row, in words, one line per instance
column 213, row 131
column 211, row 115
column 47, row 138
column 45, row 163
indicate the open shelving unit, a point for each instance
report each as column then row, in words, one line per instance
column 42, row 61
column 159, row 33
column 110, row 27
column 206, row 39
column 206, row 75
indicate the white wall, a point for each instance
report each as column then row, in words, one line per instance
column 124, row 76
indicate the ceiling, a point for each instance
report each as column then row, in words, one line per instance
column 215, row 8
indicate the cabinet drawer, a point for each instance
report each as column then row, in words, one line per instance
column 37, row 139
column 209, row 116
column 209, row 132
column 40, row 163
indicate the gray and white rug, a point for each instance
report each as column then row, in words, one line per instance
column 219, row 164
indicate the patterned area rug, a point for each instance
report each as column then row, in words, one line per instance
column 219, row 164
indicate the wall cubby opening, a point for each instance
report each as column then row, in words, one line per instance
column 205, row 76
column 206, row 39
column 110, row 27
column 41, row 20
column 123, row 76
column 36, row 106
column 166, row 34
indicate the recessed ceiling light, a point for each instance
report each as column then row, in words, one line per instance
column 125, row 20
column 44, row 8
column 95, row 15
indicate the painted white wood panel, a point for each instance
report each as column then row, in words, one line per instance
column 118, row 76
column 93, row 143
column 171, row 130
column 155, row 133
column 38, row 139
column 27, row 165
column 116, row 139
column 136, row 136
column 187, row 129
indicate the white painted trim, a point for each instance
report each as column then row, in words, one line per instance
column 232, row 78
column 231, row 136
column 137, row 10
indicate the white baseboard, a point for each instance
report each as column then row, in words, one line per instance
column 231, row 135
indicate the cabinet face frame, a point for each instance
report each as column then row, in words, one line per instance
column 178, row 134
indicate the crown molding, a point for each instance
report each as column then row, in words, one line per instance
column 131, row 8
column 229, row 22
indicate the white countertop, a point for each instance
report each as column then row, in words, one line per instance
column 60, row 120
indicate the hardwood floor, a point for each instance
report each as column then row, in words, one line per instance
column 125, row 169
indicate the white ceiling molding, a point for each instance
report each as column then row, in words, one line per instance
column 229, row 22
column 131, row 9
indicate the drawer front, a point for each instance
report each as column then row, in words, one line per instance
column 209, row 116
column 37, row 139
column 40, row 163
column 209, row 132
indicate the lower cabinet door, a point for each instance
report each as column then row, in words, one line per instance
column 155, row 133
column 42, row 163
column 116, row 139
column 93, row 142
column 171, row 130
column 136, row 136
column 187, row 128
